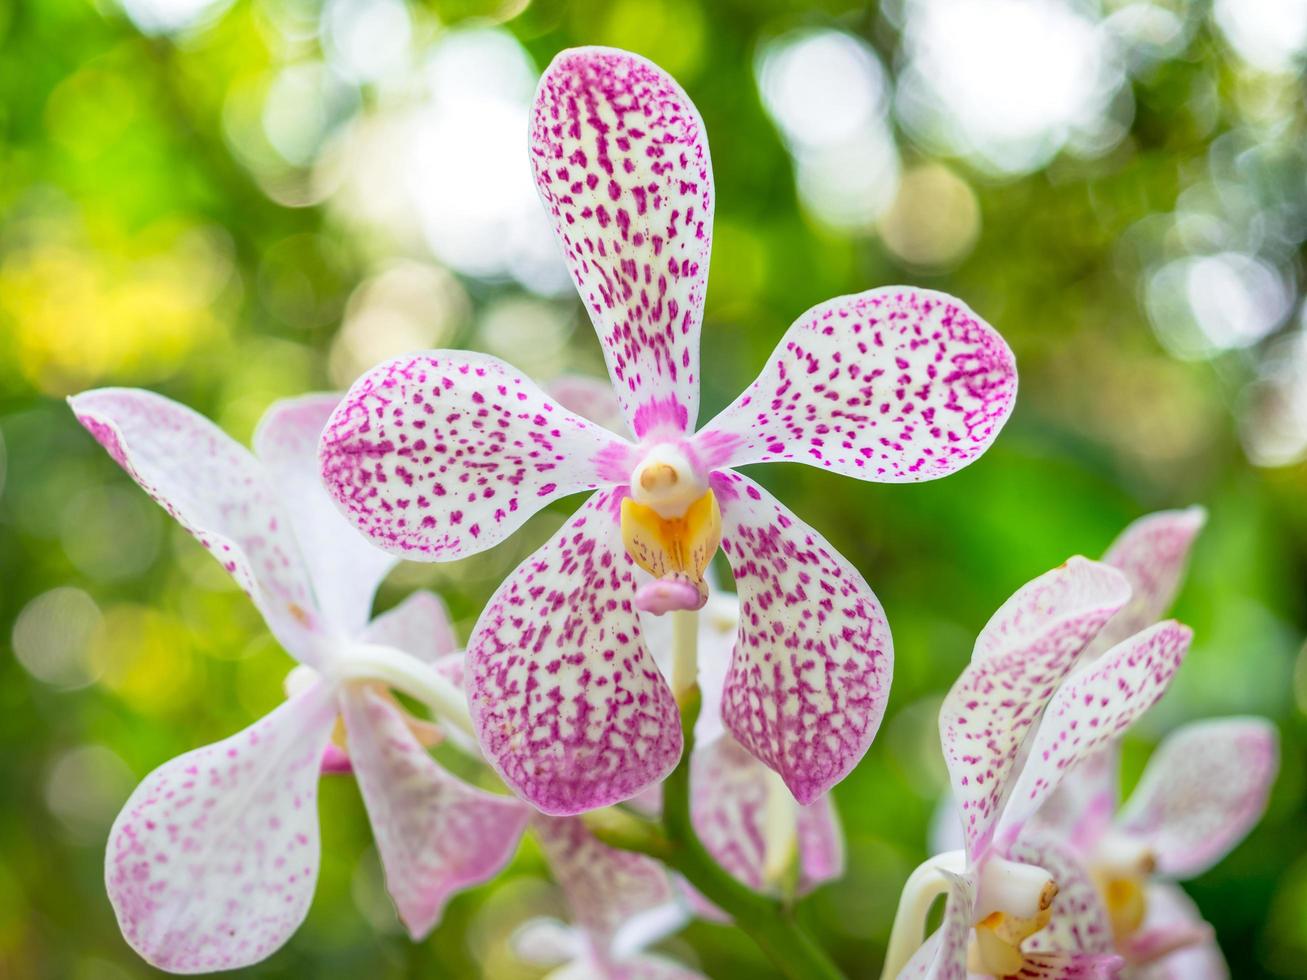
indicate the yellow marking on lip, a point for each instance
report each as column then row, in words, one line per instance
column 1127, row 904
column 673, row 546
column 996, row 949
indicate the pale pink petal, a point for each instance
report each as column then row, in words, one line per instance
column 1079, row 923
column 1204, row 789
column 1084, row 805
column 944, row 955
column 603, row 887
column 650, row 967
column 894, row 385
column 439, row 455
column 821, row 843
column 811, row 672
column 568, row 705
column 1020, row 657
column 345, row 567
column 1071, row 966
column 1091, row 708
column 621, row 163
column 212, row 862
column 419, row 626
column 218, row 491
column 1172, row 915
column 590, row 398
column 1153, row 552
column 436, row 835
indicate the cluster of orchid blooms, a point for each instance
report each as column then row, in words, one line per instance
column 569, row 696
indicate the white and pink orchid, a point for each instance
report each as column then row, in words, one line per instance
column 213, row 861
column 442, row 454
column 1019, row 901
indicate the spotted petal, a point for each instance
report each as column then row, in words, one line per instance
column 439, row 455
column 1204, row 789
column 419, row 626
column 894, row 385
column 435, row 834
column 621, row 163
column 219, row 492
column 1153, row 552
column 603, row 887
column 1020, row 657
column 1071, row 966
column 1079, row 922
column 1092, row 708
column 212, row 862
column 345, row 567
column 810, row 676
column 568, row 705
column 1173, row 918
column 1084, row 805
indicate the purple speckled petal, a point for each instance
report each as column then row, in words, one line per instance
column 569, row 706
column 212, row 862
column 1173, row 917
column 1071, row 966
column 435, row 834
column 728, row 805
column 1020, row 657
column 603, row 887
column 218, row 491
column 1091, row 708
column 943, row 956
column 345, row 567
column 1084, row 805
column 894, row 385
column 419, row 626
column 811, row 671
column 590, row 398
column 1079, row 921
column 1204, row 789
column 439, row 455
column 621, row 163
column 1153, row 552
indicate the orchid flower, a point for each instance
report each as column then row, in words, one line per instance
column 1019, row 903
column 212, row 862
column 442, row 454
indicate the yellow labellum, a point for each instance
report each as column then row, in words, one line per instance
column 668, row 547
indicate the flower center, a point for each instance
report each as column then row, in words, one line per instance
column 1120, row 868
column 1015, row 902
column 671, row 527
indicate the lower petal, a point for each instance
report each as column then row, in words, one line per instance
column 811, row 671
column 435, row 834
column 568, row 705
column 1072, row 966
column 1170, row 910
column 212, row 863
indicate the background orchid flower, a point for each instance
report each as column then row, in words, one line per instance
column 213, row 860
column 443, row 454
column 1005, row 887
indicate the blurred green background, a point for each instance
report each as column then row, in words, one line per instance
column 231, row 202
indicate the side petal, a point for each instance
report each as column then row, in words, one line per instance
column 894, row 385
column 419, row 626
column 1027, row 648
column 1092, row 708
column 1079, row 922
column 1204, row 789
column 439, row 455
column 1153, row 552
column 621, row 162
column 1173, row 916
column 568, row 705
column 604, row 888
column 346, row 568
column 212, row 862
column 435, row 834
column 808, row 682
column 219, row 492
column 590, row 398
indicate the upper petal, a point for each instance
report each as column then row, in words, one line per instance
column 621, row 162
column 1093, row 707
column 808, row 682
column 443, row 454
column 894, row 385
column 419, row 626
column 1079, row 922
column 1153, row 552
column 212, row 862
column 1027, row 648
column 1204, row 789
column 435, row 834
column 218, row 491
column 569, row 706
column 345, row 567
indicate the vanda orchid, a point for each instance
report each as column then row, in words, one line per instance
column 442, row 454
column 1019, row 903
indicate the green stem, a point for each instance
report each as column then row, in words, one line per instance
column 767, row 922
